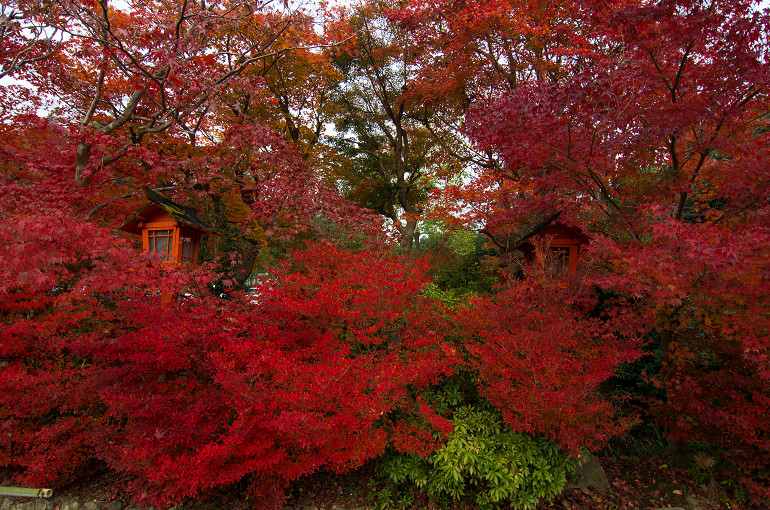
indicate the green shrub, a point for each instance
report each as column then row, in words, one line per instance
column 486, row 462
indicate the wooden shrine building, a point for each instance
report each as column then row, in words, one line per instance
column 563, row 248
column 171, row 230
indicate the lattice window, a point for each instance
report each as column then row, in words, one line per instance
column 188, row 247
column 161, row 242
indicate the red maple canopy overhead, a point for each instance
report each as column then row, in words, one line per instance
column 171, row 230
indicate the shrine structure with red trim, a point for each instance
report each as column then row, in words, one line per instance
column 564, row 244
column 170, row 230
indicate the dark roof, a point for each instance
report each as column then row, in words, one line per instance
column 573, row 231
column 538, row 228
column 182, row 214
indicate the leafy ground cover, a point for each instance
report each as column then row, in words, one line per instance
column 648, row 481
column 638, row 483
column 657, row 478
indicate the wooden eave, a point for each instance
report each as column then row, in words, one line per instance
column 184, row 215
column 575, row 233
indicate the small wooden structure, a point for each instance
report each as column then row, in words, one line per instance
column 171, row 230
column 563, row 248
column 25, row 492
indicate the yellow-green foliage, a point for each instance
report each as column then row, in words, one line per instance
column 486, row 462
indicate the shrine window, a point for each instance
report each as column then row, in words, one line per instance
column 187, row 253
column 559, row 259
column 161, row 242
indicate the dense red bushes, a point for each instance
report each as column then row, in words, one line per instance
column 205, row 392
column 645, row 123
column 541, row 358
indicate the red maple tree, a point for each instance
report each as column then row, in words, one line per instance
column 644, row 122
column 647, row 127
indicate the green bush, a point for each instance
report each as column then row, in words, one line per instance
column 486, row 462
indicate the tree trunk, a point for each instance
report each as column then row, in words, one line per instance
column 407, row 231
column 81, row 161
column 666, row 337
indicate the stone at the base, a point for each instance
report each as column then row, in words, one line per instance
column 588, row 474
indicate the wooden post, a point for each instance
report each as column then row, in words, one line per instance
column 23, row 492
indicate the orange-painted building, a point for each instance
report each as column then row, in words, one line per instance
column 171, row 230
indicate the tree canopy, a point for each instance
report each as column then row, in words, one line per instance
column 321, row 147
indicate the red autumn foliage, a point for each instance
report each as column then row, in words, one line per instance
column 542, row 352
column 209, row 391
column 644, row 122
column 649, row 130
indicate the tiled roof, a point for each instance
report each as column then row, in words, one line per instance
column 182, row 214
